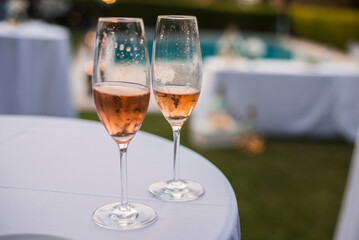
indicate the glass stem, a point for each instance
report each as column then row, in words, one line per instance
column 123, row 172
column 176, row 152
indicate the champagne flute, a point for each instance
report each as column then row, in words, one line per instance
column 121, row 90
column 176, row 83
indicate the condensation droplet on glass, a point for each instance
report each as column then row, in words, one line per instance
column 116, row 45
column 135, row 48
column 128, row 49
column 122, row 47
column 131, row 39
column 141, row 41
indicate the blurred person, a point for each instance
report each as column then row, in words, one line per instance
column 283, row 22
column 231, row 42
column 16, row 10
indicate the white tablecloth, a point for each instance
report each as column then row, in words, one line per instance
column 348, row 220
column 290, row 98
column 34, row 69
column 55, row 172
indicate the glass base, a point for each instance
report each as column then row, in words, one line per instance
column 114, row 216
column 182, row 190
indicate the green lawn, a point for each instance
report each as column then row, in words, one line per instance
column 291, row 191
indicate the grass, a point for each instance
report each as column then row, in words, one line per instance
column 291, row 191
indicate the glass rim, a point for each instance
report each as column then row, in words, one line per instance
column 176, row 17
column 120, row 19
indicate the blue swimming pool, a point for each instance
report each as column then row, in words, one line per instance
column 274, row 49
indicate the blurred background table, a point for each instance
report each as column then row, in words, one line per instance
column 34, row 69
column 287, row 98
column 55, row 172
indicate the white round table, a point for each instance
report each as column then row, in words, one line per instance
column 54, row 172
column 34, row 69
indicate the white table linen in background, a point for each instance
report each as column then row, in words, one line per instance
column 290, row 98
column 55, row 172
column 34, row 69
column 348, row 220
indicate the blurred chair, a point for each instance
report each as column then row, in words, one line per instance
column 348, row 222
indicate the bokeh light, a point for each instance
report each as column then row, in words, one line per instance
column 109, row 1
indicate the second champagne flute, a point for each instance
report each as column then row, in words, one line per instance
column 176, row 83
